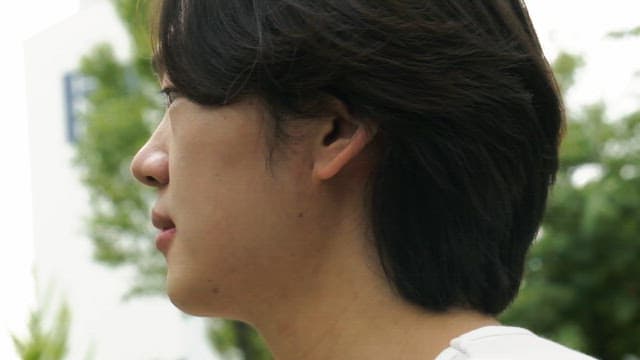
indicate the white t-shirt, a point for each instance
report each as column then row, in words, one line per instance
column 506, row 343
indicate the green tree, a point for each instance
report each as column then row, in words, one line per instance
column 581, row 286
column 122, row 111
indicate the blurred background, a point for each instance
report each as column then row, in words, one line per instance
column 80, row 275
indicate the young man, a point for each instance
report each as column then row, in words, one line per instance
column 357, row 179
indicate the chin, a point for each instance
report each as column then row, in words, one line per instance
column 187, row 297
column 195, row 298
column 188, row 307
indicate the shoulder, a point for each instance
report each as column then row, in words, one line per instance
column 506, row 343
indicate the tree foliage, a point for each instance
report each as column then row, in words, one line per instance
column 581, row 286
column 625, row 33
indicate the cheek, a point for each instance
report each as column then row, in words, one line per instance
column 241, row 223
column 238, row 245
column 239, row 228
column 226, row 206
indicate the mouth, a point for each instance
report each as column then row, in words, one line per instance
column 167, row 229
column 161, row 221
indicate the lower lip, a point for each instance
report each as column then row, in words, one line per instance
column 164, row 239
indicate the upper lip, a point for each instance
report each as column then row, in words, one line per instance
column 161, row 221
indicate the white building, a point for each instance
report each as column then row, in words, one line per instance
column 102, row 324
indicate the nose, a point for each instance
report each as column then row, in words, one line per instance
column 151, row 164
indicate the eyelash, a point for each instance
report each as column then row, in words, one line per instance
column 170, row 95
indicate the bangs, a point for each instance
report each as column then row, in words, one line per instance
column 217, row 51
column 207, row 48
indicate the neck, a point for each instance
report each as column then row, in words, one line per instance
column 344, row 309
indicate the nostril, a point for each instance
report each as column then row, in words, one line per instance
column 151, row 167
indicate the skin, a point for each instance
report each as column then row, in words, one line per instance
column 288, row 249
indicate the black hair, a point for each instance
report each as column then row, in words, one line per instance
column 466, row 106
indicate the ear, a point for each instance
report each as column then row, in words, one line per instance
column 339, row 140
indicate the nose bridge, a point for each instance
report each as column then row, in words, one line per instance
column 151, row 164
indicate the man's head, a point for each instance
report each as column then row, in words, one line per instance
column 466, row 117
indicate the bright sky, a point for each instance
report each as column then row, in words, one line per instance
column 575, row 25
